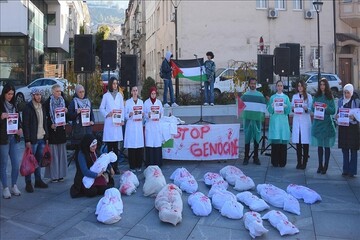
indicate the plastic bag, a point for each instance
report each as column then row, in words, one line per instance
column 28, row 163
column 47, row 157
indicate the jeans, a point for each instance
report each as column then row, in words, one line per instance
column 349, row 161
column 209, row 91
column 11, row 149
column 38, row 150
column 168, row 85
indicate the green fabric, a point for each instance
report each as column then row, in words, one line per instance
column 252, row 130
column 168, row 144
column 279, row 129
column 323, row 132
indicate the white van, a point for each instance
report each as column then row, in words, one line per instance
column 224, row 82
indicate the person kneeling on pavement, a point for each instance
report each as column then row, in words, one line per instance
column 35, row 135
column 86, row 158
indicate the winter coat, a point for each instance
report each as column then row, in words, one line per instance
column 30, row 123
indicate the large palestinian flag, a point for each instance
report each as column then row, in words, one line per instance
column 190, row 69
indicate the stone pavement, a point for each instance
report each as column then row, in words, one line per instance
column 52, row 214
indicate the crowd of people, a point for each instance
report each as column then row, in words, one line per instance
column 43, row 124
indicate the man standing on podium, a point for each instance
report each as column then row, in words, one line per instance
column 253, row 115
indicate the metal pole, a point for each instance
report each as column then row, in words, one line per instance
column 176, row 56
column 318, row 52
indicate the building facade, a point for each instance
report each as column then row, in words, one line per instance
column 232, row 29
column 35, row 37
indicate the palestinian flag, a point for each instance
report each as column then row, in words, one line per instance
column 189, row 69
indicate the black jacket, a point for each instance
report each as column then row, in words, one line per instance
column 30, row 123
column 59, row 135
column 3, row 126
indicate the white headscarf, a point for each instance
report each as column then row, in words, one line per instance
column 350, row 88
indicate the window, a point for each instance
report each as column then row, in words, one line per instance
column 297, row 4
column 260, row 4
column 280, row 4
column 51, row 18
column 37, row 83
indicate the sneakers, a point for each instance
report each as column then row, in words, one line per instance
column 211, row 104
column 15, row 191
column 174, row 105
column 61, row 179
column 6, row 193
column 256, row 161
column 166, row 105
column 206, row 104
column 138, row 169
column 40, row 184
column 29, row 188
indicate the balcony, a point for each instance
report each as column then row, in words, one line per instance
column 350, row 12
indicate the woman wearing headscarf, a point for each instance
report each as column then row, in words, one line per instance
column 86, row 158
column 349, row 135
column 323, row 130
column 134, row 133
column 57, row 135
column 82, row 117
column 153, row 111
column 9, row 143
column 112, row 108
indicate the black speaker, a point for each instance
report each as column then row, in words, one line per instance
column 108, row 54
column 84, row 53
column 265, row 68
column 128, row 70
column 294, row 57
column 282, row 61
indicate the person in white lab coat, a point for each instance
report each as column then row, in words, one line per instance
column 301, row 125
column 153, row 111
column 112, row 108
column 134, row 133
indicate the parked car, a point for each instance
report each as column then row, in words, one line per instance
column 224, row 82
column 24, row 94
column 105, row 78
column 311, row 79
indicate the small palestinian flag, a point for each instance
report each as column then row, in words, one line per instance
column 192, row 69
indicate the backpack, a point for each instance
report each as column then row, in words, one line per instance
column 161, row 73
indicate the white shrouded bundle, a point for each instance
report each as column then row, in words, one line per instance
column 222, row 184
column 169, row 203
column 302, row 192
column 128, row 183
column 200, row 204
column 278, row 220
column 154, row 181
column 110, row 207
column 252, row 201
column 232, row 209
column 100, row 165
column 210, row 178
column 244, row 183
column 220, row 196
column 184, row 180
column 278, row 198
column 231, row 174
column 254, row 224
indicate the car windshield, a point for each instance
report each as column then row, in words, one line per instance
column 219, row 71
column 105, row 76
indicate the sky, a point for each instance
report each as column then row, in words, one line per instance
column 119, row 3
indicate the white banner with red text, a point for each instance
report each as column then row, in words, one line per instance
column 204, row 142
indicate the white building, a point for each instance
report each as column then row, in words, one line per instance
column 35, row 37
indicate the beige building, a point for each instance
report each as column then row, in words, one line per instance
column 232, row 29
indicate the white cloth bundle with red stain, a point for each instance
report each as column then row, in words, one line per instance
column 184, row 180
column 234, row 176
column 254, row 224
column 100, row 165
column 227, row 204
column 279, row 220
column 169, row 203
column 200, row 204
column 302, row 192
column 154, row 181
column 252, row 201
column 110, row 207
column 128, row 183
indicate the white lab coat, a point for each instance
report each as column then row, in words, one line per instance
column 112, row 133
column 153, row 135
column 301, row 122
column 134, row 134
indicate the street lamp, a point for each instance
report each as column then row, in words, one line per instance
column 317, row 6
column 176, row 4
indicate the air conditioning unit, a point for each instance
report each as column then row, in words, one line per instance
column 309, row 14
column 273, row 13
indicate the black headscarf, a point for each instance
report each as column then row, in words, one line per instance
column 85, row 144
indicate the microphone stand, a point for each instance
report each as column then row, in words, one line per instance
column 201, row 105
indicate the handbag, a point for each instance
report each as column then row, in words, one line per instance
column 47, row 157
column 28, row 163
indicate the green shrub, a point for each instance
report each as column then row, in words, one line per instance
column 148, row 83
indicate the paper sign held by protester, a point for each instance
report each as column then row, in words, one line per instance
column 344, row 119
column 155, row 113
column 60, row 118
column 85, row 117
column 117, row 117
column 356, row 113
column 12, row 123
column 137, row 110
column 279, row 105
column 319, row 110
column 298, row 106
